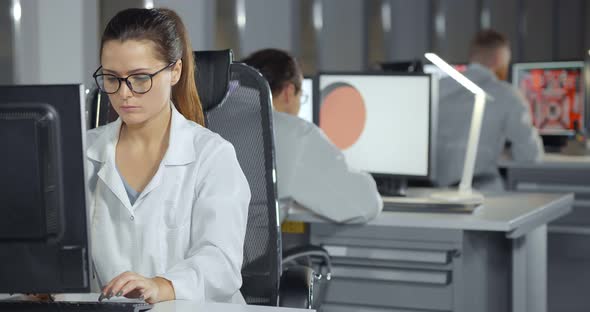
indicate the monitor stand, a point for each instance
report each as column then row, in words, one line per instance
column 554, row 143
column 388, row 186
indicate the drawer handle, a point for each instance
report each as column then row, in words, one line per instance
column 574, row 230
column 556, row 188
column 409, row 255
column 393, row 275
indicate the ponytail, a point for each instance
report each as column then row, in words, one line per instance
column 184, row 94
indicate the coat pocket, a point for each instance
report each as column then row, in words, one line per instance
column 174, row 244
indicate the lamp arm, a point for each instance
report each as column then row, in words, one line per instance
column 472, row 143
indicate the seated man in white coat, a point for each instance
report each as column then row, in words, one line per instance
column 311, row 171
column 506, row 118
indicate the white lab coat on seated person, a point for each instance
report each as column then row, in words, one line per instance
column 313, row 172
column 188, row 224
column 506, row 118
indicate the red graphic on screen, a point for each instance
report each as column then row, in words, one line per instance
column 554, row 97
column 460, row 68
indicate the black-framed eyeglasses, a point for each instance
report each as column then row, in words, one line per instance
column 137, row 83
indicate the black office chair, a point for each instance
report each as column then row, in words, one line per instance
column 98, row 109
column 244, row 117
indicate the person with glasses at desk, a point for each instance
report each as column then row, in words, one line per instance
column 168, row 199
column 311, row 171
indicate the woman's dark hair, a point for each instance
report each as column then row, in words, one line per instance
column 165, row 29
column 278, row 67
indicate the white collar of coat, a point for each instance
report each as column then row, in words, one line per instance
column 180, row 151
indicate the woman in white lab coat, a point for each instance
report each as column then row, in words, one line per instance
column 169, row 201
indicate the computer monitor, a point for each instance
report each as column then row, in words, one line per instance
column 437, row 72
column 414, row 66
column 383, row 122
column 587, row 92
column 307, row 96
column 555, row 95
column 43, row 228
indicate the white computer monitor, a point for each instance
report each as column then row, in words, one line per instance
column 383, row 122
column 555, row 94
column 307, row 108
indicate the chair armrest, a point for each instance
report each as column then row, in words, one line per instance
column 309, row 251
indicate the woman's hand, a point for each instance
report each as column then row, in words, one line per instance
column 133, row 285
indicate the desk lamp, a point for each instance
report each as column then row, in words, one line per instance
column 465, row 194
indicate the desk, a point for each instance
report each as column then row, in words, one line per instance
column 188, row 306
column 491, row 260
column 569, row 236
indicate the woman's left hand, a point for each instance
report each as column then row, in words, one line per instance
column 133, row 285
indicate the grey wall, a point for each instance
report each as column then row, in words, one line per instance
column 342, row 39
column 504, row 18
column 538, row 30
column 462, row 21
column 410, row 35
column 51, row 49
column 108, row 9
column 269, row 24
column 26, row 45
column 6, row 43
column 91, row 38
column 570, row 15
column 199, row 19
column 587, row 25
column 57, row 41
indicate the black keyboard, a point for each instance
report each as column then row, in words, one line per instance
column 71, row 306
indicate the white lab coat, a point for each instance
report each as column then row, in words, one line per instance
column 313, row 172
column 187, row 226
column 506, row 118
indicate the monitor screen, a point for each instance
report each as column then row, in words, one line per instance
column 306, row 111
column 555, row 94
column 381, row 122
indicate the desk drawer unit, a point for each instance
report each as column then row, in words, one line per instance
column 378, row 268
column 568, row 243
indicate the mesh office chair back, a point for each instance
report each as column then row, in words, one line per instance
column 244, row 118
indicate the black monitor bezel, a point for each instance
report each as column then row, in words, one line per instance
column 74, row 248
column 313, row 99
column 586, row 82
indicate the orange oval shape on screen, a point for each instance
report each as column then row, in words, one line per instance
column 343, row 116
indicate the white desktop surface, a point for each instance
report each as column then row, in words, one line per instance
column 185, row 305
column 513, row 213
column 189, row 306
